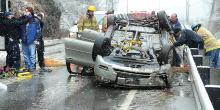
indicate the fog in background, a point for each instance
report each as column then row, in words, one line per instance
column 61, row 14
column 199, row 10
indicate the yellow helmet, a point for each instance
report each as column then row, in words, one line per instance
column 91, row 8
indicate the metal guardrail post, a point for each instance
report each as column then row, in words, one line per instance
column 200, row 88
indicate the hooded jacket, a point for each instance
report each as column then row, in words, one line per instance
column 210, row 42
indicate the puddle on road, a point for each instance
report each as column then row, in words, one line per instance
column 179, row 97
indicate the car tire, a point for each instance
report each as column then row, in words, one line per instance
column 102, row 46
column 163, row 20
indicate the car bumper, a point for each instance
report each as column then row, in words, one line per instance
column 126, row 76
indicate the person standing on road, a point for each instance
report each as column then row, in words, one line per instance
column 40, row 45
column 88, row 21
column 175, row 24
column 211, row 44
column 12, row 39
column 29, row 33
column 104, row 22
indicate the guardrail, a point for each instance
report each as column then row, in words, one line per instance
column 199, row 86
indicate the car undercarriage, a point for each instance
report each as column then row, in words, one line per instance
column 135, row 51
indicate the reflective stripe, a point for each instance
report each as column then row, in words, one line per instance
column 86, row 23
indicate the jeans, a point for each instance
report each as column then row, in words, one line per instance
column 214, row 58
column 29, row 52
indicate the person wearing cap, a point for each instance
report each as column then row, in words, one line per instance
column 104, row 22
column 12, row 39
column 29, row 33
column 188, row 37
column 88, row 21
column 211, row 44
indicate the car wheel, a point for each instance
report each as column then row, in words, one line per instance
column 69, row 69
column 163, row 20
column 102, row 46
column 167, row 56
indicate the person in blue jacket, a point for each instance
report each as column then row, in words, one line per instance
column 29, row 33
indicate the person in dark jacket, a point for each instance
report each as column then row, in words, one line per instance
column 12, row 39
column 29, row 33
column 189, row 38
column 174, row 21
column 40, row 45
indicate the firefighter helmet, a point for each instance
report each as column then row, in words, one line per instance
column 91, row 8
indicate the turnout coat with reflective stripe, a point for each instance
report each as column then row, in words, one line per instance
column 87, row 23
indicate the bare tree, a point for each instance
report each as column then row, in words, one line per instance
column 214, row 21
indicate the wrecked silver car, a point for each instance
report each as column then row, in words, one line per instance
column 135, row 51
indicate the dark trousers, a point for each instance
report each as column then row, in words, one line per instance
column 177, row 60
column 13, row 53
column 40, row 53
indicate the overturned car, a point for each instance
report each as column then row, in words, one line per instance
column 135, row 51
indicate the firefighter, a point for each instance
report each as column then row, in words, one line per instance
column 104, row 22
column 12, row 39
column 88, row 21
column 211, row 44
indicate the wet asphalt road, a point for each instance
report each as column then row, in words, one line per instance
column 59, row 91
